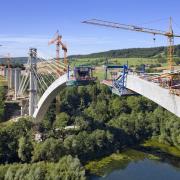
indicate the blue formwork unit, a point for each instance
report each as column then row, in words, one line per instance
column 118, row 84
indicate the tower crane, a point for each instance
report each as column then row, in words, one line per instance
column 57, row 40
column 169, row 34
column 64, row 48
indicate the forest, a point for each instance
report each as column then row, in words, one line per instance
column 119, row 53
column 131, row 53
column 103, row 123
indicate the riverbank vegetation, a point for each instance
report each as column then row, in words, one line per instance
column 104, row 166
column 150, row 149
column 172, row 150
column 92, row 123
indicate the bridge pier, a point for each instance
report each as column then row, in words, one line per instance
column 32, row 81
column 17, row 81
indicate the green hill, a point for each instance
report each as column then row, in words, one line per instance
column 148, row 53
column 130, row 53
column 14, row 60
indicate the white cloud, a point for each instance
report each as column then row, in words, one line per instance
column 19, row 45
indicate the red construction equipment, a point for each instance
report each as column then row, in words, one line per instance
column 57, row 40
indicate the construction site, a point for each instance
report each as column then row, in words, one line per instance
column 28, row 85
column 90, row 90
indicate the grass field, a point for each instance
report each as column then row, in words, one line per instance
column 119, row 61
column 132, row 62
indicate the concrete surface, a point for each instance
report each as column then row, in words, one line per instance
column 155, row 93
column 48, row 97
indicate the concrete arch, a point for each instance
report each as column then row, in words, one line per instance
column 48, row 96
column 145, row 88
column 154, row 92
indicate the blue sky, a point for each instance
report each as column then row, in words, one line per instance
column 31, row 23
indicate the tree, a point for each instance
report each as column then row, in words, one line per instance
column 81, row 122
column 62, row 120
column 118, row 106
column 50, row 150
column 22, row 172
column 68, row 168
column 25, row 149
column 98, row 111
column 84, row 96
column 9, row 136
column 68, row 143
column 11, row 172
column 99, row 137
column 37, row 172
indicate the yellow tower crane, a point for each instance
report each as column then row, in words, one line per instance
column 169, row 34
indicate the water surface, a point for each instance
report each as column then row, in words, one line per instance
column 143, row 170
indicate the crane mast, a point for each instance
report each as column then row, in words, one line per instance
column 64, row 48
column 170, row 47
column 169, row 34
column 58, row 47
column 57, row 41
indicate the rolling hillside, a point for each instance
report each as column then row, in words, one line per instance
column 130, row 53
column 121, row 53
column 15, row 60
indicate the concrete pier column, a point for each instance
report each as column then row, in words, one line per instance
column 13, row 78
column 33, row 81
column 4, row 71
column 10, row 78
column 22, row 111
column 17, row 80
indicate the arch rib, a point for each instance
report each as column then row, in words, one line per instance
column 48, row 97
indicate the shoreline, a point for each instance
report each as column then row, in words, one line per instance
column 150, row 149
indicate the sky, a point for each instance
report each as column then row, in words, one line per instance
column 32, row 23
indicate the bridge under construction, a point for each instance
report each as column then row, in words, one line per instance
column 35, row 87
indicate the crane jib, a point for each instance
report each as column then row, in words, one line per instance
column 129, row 27
column 169, row 34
